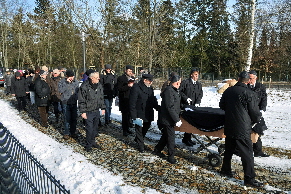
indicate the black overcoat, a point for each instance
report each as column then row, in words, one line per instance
column 170, row 106
column 260, row 90
column 142, row 101
column 123, row 93
column 108, row 80
column 19, row 87
column 241, row 111
column 42, row 92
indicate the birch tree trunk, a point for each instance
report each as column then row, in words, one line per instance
column 252, row 35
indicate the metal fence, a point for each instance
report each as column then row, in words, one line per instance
column 20, row 172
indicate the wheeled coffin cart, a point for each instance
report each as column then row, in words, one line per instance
column 208, row 122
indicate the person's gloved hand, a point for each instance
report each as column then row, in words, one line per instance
column 197, row 105
column 179, row 123
column 138, row 122
column 189, row 101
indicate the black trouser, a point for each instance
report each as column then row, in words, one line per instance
column 167, row 139
column 92, row 122
column 140, row 133
column 56, row 109
column 257, row 147
column 8, row 89
column 125, row 121
column 43, row 113
column 21, row 103
column 245, row 149
column 187, row 137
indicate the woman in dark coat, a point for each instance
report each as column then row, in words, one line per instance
column 19, row 89
column 42, row 96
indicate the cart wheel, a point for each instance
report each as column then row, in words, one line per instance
column 214, row 160
column 221, row 149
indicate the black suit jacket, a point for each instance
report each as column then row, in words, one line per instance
column 189, row 90
column 261, row 93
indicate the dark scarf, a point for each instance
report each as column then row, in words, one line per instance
column 94, row 86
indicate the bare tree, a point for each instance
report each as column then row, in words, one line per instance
column 251, row 37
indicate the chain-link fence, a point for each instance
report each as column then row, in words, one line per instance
column 20, row 172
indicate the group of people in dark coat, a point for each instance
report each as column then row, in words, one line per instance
column 242, row 110
column 243, row 104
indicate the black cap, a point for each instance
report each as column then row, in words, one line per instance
column 253, row 72
column 43, row 72
column 175, row 78
column 172, row 74
column 244, row 74
column 194, row 69
column 89, row 71
column 70, row 73
column 107, row 66
column 128, row 67
column 148, row 77
column 17, row 74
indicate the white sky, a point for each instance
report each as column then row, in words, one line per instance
column 82, row 177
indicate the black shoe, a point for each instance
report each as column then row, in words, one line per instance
column 88, row 149
column 187, row 143
column 158, row 153
column 125, row 134
column 230, row 174
column 141, row 150
column 108, row 122
column 129, row 132
column 261, row 155
column 253, row 183
column 96, row 146
column 172, row 160
column 192, row 142
column 74, row 135
column 45, row 126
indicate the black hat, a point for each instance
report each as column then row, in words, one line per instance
column 70, row 73
column 148, row 77
column 172, row 74
column 89, row 71
column 129, row 67
column 244, row 74
column 43, row 72
column 253, row 72
column 194, row 69
column 17, row 74
column 107, row 66
column 175, row 78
